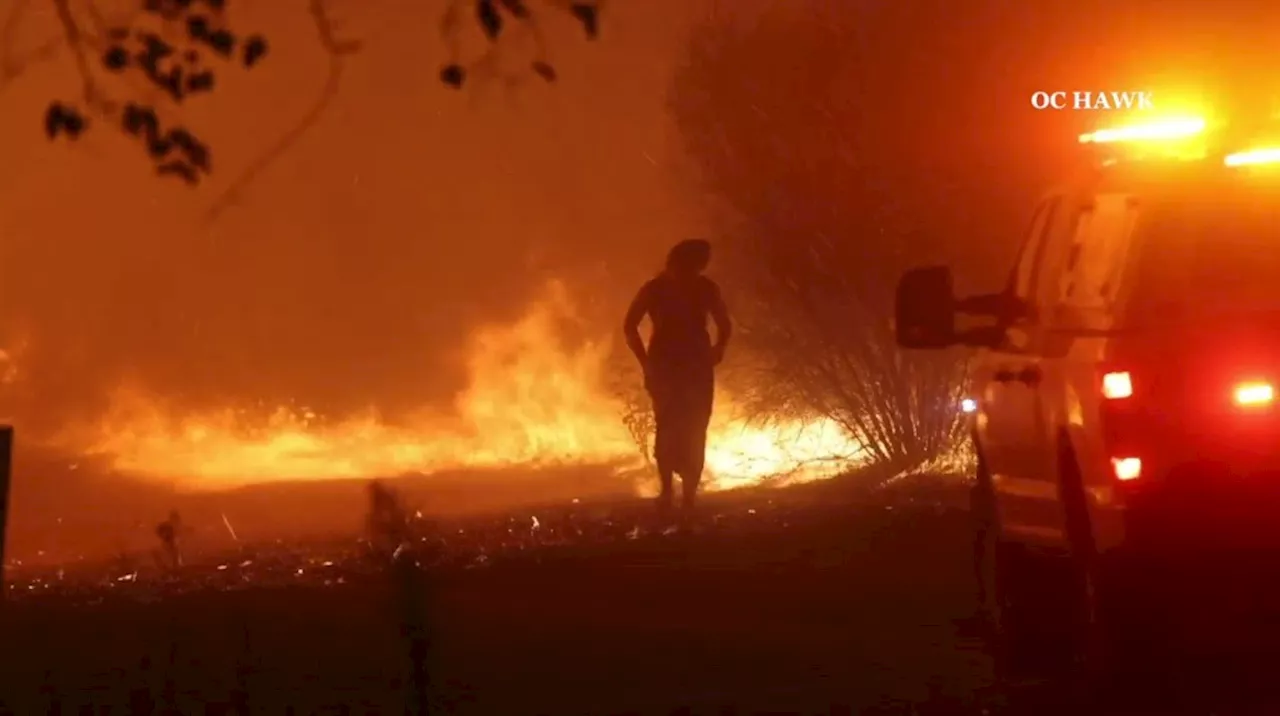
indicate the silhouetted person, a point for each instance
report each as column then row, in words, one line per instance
column 679, row 362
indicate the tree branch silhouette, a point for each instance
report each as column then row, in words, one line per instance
column 493, row 15
column 453, row 74
column 337, row 50
column 11, row 66
column 172, row 65
column 163, row 68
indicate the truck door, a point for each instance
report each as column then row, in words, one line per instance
column 1017, row 441
column 1087, row 291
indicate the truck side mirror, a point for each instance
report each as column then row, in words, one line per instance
column 924, row 309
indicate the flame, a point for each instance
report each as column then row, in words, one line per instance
column 532, row 400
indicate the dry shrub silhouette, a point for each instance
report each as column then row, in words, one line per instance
column 636, row 410
column 812, row 253
column 170, row 533
column 388, row 520
column 390, row 537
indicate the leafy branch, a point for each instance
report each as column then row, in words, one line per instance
column 167, row 62
column 494, row 16
column 169, row 51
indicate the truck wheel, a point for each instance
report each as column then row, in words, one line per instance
column 1090, row 642
column 1003, row 572
column 1120, row 632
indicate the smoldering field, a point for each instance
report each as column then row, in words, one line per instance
column 540, row 421
column 547, row 409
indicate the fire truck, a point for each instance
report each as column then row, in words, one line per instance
column 1123, row 407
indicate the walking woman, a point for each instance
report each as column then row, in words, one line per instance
column 679, row 362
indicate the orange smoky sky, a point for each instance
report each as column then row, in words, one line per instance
column 353, row 270
column 357, row 270
column 350, row 271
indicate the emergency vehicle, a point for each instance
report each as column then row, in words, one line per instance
column 1123, row 406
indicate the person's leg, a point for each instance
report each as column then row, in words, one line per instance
column 701, row 396
column 689, row 496
column 980, row 566
column 663, row 446
column 666, row 478
column 692, row 478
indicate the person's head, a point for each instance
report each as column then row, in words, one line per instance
column 689, row 257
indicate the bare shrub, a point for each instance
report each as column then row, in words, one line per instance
column 813, row 254
column 637, row 411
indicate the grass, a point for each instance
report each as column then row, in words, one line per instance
column 818, row 598
column 793, row 600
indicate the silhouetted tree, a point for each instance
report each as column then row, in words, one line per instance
column 170, row 51
column 811, row 252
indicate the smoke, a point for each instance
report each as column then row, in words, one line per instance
column 352, row 272
column 333, row 317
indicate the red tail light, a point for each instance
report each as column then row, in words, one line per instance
column 1126, row 468
column 1254, row 393
column 1116, row 385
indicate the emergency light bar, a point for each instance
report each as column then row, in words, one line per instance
column 1153, row 135
column 1253, row 157
column 1167, row 129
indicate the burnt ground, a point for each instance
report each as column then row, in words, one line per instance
column 815, row 600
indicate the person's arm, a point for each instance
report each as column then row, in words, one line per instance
column 631, row 325
column 724, row 326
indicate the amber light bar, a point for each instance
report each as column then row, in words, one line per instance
column 1253, row 157
column 1147, row 131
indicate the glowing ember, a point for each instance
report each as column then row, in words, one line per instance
column 531, row 401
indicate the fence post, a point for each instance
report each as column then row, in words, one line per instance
column 6, row 472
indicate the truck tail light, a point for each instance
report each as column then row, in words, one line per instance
column 1253, row 394
column 1126, row 468
column 1117, row 385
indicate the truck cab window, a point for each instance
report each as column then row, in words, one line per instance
column 1098, row 249
column 1025, row 275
